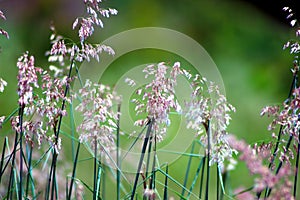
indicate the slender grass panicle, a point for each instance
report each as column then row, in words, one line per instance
column 253, row 157
column 27, row 79
column 99, row 117
column 158, row 97
column 210, row 107
column 94, row 11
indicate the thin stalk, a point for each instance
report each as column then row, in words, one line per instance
column 21, row 111
column 101, row 181
column 225, row 175
column 208, row 158
column 141, row 158
column 53, row 166
column 218, row 183
column 152, row 180
column 72, row 127
column 149, row 154
column 98, row 185
column 134, row 142
column 64, row 102
column 29, row 170
column 243, row 191
column 74, row 171
column 57, row 131
column 201, row 165
column 188, row 169
column 2, row 157
column 16, row 186
column 118, row 154
column 297, row 167
column 202, row 177
column 175, row 182
column 166, row 183
column 95, row 170
column 47, row 190
column 10, row 183
column 67, row 189
column 52, row 176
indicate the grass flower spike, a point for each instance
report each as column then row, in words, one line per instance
column 208, row 113
column 158, row 97
column 99, row 118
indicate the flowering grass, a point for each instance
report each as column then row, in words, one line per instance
column 34, row 162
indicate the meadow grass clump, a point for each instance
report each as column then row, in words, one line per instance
column 36, row 163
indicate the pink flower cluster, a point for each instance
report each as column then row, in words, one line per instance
column 27, row 78
column 208, row 113
column 94, row 12
column 281, row 186
column 99, row 117
column 60, row 51
column 41, row 111
column 286, row 116
column 293, row 45
column 158, row 97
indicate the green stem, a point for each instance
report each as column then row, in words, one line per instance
column 57, row 131
column 297, row 167
column 166, row 184
column 21, row 111
column 202, row 177
column 187, row 170
column 201, row 165
column 218, row 182
column 11, row 176
column 29, row 170
column 74, row 171
column 118, row 154
column 152, row 180
column 95, row 171
column 141, row 158
column 208, row 158
column 2, row 158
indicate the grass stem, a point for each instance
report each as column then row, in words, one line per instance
column 208, row 158
column 166, row 183
column 188, row 169
column 118, row 154
column 297, row 167
column 202, row 177
column 146, row 139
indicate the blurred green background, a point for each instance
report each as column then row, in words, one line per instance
column 244, row 42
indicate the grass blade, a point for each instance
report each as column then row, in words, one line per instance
column 202, row 177
column 74, row 171
column 201, row 165
column 188, row 169
column 2, row 158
